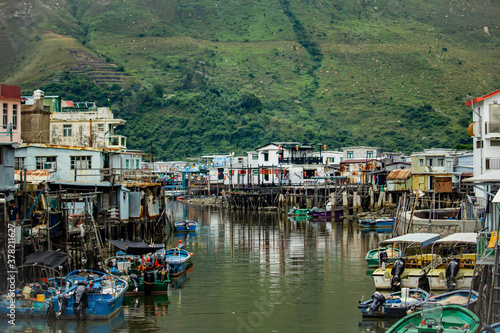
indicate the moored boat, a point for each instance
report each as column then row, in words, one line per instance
column 298, row 211
column 377, row 223
column 144, row 275
column 375, row 257
column 435, row 317
column 394, row 304
column 178, row 260
column 186, row 225
column 95, row 295
column 408, row 271
column 464, row 297
column 454, row 267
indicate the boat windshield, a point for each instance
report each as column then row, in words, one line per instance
column 432, row 315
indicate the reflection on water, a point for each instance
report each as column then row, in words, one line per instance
column 262, row 272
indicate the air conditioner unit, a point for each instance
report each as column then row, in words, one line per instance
column 49, row 166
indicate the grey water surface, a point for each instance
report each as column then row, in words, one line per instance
column 255, row 272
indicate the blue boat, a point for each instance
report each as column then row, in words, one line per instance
column 95, row 295
column 377, row 223
column 33, row 299
column 186, row 225
column 458, row 297
column 394, row 304
column 491, row 328
column 178, row 260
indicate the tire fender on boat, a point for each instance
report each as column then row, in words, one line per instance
column 487, row 329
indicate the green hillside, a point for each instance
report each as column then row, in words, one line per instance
column 195, row 77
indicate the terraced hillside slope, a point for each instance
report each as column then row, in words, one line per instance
column 204, row 76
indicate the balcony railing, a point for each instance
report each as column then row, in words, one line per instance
column 492, row 127
column 116, row 141
column 301, row 160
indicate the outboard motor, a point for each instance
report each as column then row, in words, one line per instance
column 81, row 301
column 382, row 257
column 135, row 281
column 149, row 281
column 396, row 272
column 378, row 301
column 313, row 211
column 62, row 303
column 451, row 272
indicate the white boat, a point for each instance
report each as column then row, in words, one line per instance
column 454, row 268
column 409, row 271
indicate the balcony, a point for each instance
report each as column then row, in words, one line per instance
column 301, row 160
column 492, row 128
column 116, row 141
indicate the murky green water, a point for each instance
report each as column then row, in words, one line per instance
column 256, row 273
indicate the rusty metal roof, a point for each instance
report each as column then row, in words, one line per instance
column 399, row 174
column 33, row 176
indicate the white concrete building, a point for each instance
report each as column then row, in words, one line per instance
column 85, row 125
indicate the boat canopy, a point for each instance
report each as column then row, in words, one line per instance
column 459, row 237
column 423, row 239
column 48, row 258
column 136, row 248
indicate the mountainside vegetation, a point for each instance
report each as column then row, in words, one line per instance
column 203, row 77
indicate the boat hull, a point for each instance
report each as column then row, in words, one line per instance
column 395, row 305
column 453, row 318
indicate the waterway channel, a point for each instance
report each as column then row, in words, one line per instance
column 254, row 272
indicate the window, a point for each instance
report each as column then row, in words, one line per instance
column 266, row 156
column 440, row 162
column 421, row 161
column 479, row 144
column 256, row 172
column 14, row 116
column 19, row 163
column 137, row 164
column 127, row 163
column 67, row 130
column 81, row 162
column 369, row 154
column 255, row 157
column 350, row 154
column 448, row 164
column 5, row 115
column 46, row 163
column 429, row 162
column 100, row 127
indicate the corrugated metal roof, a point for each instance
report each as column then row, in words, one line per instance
column 399, row 174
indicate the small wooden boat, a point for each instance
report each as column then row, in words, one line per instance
column 144, row 275
column 186, row 226
column 387, row 254
column 457, row 297
column 32, row 299
column 178, row 260
column 377, row 223
column 95, row 295
column 394, row 304
column 298, row 211
column 435, row 317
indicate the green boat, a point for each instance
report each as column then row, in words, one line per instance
column 298, row 212
column 372, row 257
column 436, row 318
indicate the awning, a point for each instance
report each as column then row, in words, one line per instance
column 48, row 258
column 136, row 248
column 459, row 237
column 420, row 238
column 489, row 177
